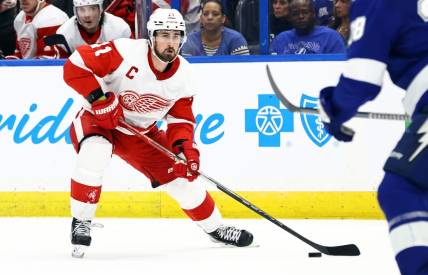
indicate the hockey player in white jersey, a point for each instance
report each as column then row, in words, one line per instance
column 91, row 25
column 36, row 20
column 391, row 35
column 142, row 81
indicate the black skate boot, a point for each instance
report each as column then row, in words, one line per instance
column 232, row 236
column 81, row 236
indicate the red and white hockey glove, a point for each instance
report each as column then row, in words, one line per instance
column 107, row 111
column 191, row 153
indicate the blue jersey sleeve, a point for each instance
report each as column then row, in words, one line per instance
column 238, row 45
column 374, row 24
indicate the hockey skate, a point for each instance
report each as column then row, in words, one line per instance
column 230, row 235
column 81, row 236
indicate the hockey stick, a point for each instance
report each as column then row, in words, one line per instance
column 113, row 4
column 295, row 109
column 57, row 39
column 342, row 250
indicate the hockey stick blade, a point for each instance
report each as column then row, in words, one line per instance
column 57, row 39
column 342, row 250
column 295, row 109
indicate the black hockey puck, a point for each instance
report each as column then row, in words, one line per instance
column 314, row 254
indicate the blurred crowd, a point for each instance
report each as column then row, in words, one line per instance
column 55, row 28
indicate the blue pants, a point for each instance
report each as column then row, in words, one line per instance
column 406, row 208
column 403, row 197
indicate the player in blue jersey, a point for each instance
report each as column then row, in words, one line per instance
column 391, row 35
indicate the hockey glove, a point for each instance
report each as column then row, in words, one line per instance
column 107, row 112
column 191, row 153
column 332, row 119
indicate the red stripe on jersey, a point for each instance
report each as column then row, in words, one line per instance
column 79, row 79
column 203, row 211
column 102, row 59
column 182, row 109
column 179, row 131
column 166, row 74
column 42, row 49
column 85, row 193
column 45, row 31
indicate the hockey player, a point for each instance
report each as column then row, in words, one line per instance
column 91, row 25
column 401, row 48
column 142, row 81
column 36, row 20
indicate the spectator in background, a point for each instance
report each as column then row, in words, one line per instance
column 91, row 25
column 279, row 19
column 214, row 38
column 324, row 12
column 8, row 10
column 36, row 20
column 190, row 9
column 341, row 18
column 306, row 37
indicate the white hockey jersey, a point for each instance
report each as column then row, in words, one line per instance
column 30, row 32
column 112, row 28
column 125, row 67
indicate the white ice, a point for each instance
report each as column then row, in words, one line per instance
column 41, row 246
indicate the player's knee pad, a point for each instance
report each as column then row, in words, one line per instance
column 406, row 208
column 188, row 194
column 93, row 157
column 196, row 203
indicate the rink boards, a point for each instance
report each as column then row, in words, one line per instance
column 286, row 163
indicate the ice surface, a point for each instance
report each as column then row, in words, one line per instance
column 41, row 246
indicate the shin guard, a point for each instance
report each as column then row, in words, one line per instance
column 196, row 202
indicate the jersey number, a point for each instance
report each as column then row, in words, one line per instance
column 423, row 10
column 102, row 48
column 357, row 29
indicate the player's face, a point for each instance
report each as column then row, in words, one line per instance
column 28, row 6
column 280, row 8
column 89, row 17
column 302, row 15
column 341, row 8
column 212, row 18
column 167, row 44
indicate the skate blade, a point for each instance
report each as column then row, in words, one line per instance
column 78, row 251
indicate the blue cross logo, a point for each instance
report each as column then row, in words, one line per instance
column 269, row 120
